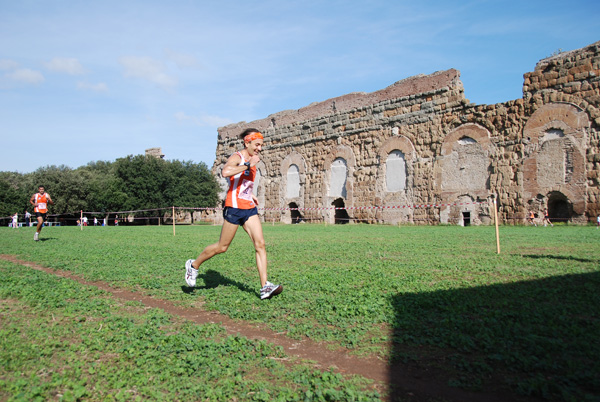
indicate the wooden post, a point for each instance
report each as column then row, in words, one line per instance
column 173, row 220
column 496, row 223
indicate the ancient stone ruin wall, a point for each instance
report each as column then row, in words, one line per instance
column 419, row 152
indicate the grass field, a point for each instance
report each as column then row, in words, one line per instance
column 525, row 320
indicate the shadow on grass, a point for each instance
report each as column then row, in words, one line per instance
column 518, row 341
column 213, row 279
column 559, row 257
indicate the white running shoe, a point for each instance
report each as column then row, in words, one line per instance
column 190, row 274
column 270, row 290
column 36, row 236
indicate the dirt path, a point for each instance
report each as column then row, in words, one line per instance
column 410, row 383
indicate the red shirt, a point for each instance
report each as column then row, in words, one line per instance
column 241, row 186
column 42, row 203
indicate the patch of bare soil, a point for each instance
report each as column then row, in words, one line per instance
column 398, row 381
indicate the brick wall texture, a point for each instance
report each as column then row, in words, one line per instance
column 534, row 153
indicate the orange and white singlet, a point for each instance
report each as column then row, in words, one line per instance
column 241, row 186
column 42, row 203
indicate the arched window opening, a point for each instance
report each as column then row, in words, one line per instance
column 552, row 134
column 466, row 141
column 339, row 171
column 395, row 171
column 293, row 182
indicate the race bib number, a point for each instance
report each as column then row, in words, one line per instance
column 41, row 205
column 246, row 190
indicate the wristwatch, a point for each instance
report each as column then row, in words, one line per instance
column 247, row 164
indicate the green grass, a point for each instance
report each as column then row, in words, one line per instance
column 64, row 341
column 525, row 319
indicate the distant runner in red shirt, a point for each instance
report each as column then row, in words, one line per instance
column 40, row 202
column 547, row 218
column 531, row 218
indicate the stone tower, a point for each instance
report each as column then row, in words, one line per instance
column 156, row 152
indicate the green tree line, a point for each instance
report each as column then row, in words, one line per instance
column 130, row 183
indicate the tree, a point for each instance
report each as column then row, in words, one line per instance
column 151, row 182
column 192, row 185
column 104, row 193
column 131, row 183
column 67, row 188
column 13, row 197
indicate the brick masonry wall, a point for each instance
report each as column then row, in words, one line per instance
column 537, row 152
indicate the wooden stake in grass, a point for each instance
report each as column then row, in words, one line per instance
column 496, row 223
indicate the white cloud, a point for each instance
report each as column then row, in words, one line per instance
column 216, row 120
column 99, row 87
column 148, row 69
column 69, row 66
column 183, row 60
column 203, row 120
column 6, row 64
column 181, row 116
column 26, row 75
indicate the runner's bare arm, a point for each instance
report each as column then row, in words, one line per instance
column 232, row 167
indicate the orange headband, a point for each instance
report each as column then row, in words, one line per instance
column 253, row 136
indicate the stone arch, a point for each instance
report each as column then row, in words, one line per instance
column 292, row 189
column 400, row 143
column 338, row 178
column 569, row 118
column 403, row 145
column 464, row 162
column 559, row 207
column 297, row 160
column 345, row 153
column 462, row 173
column 470, row 130
column 395, row 176
column 395, row 198
column 554, row 140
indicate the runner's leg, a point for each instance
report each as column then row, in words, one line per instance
column 227, row 234
column 254, row 229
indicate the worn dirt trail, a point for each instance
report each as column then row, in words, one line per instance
column 399, row 381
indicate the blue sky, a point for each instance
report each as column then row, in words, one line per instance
column 84, row 81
